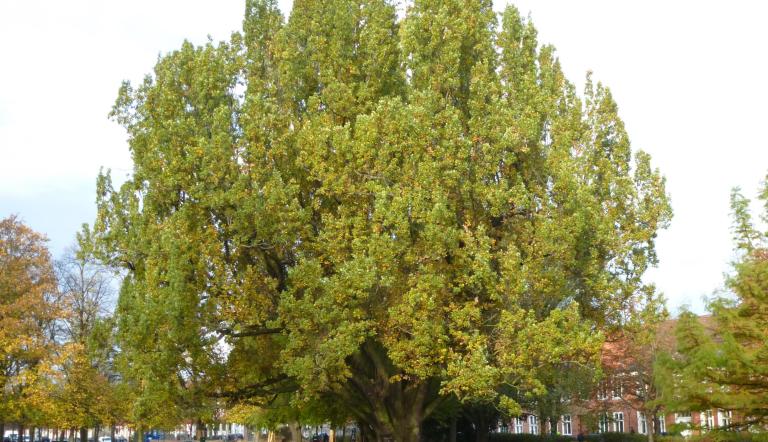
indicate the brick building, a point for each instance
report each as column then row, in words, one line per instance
column 615, row 405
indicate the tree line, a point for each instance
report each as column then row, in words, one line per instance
column 57, row 339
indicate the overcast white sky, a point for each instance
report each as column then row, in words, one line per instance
column 689, row 77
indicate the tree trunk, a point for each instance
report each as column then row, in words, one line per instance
column 112, row 433
column 452, row 429
column 83, row 434
column 363, row 434
column 96, row 432
column 199, row 430
column 482, row 429
column 481, row 416
column 21, row 433
column 387, row 409
column 651, row 423
column 395, row 426
column 295, row 428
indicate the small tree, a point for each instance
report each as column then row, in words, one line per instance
column 723, row 364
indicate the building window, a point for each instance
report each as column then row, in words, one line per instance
column 707, row 420
column 503, row 427
column 533, row 424
column 518, row 425
column 603, row 423
column 662, row 424
column 725, row 416
column 618, row 422
column 567, row 424
column 617, row 390
column 642, row 423
column 602, row 391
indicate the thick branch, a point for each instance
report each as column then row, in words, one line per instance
column 272, row 386
column 249, row 331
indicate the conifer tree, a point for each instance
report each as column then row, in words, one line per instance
column 723, row 363
column 384, row 213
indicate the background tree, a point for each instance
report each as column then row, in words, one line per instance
column 86, row 294
column 27, row 282
column 723, row 364
column 85, row 381
column 387, row 213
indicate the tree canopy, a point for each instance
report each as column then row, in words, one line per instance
column 377, row 211
column 27, row 281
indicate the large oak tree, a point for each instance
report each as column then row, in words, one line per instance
column 377, row 211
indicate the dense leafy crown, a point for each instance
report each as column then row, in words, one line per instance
column 349, row 198
column 27, row 282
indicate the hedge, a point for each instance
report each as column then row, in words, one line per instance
column 511, row 437
column 730, row 436
column 604, row 437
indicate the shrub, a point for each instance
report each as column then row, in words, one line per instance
column 731, row 436
column 675, row 438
